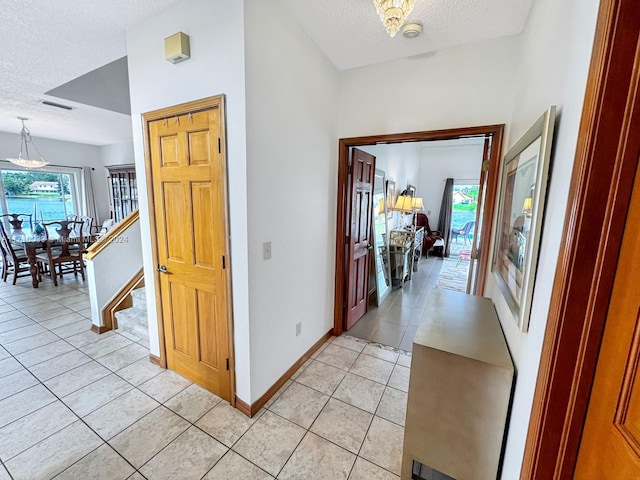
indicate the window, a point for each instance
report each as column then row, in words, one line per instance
column 49, row 195
column 123, row 190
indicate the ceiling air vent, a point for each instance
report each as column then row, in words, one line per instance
column 57, row 105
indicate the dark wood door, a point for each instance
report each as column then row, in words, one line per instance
column 190, row 211
column 359, row 241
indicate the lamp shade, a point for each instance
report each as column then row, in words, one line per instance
column 527, row 207
column 403, row 204
column 416, row 203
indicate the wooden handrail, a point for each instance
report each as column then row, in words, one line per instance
column 112, row 234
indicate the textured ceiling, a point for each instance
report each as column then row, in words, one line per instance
column 48, row 43
column 351, row 34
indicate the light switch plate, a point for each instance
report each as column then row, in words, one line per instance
column 266, row 250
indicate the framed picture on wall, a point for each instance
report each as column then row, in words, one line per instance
column 391, row 197
column 523, row 188
column 411, row 190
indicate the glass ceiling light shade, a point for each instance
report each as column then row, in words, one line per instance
column 24, row 160
column 393, row 13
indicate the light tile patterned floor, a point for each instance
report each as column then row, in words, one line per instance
column 76, row 405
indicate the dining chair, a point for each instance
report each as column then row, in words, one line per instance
column 17, row 219
column 65, row 252
column 11, row 261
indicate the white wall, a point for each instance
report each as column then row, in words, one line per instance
column 106, row 277
column 437, row 163
column 117, row 154
column 66, row 154
column 459, row 87
column 554, row 59
column 216, row 66
column 401, row 163
column 291, row 182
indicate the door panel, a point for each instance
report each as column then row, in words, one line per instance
column 188, row 179
column 610, row 447
column 360, row 241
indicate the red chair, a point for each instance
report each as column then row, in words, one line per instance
column 430, row 236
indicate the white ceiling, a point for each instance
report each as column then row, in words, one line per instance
column 351, row 34
column 49, row 43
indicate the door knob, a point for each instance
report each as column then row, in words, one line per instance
column 162, row 269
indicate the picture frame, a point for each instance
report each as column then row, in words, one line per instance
column 523, row 188
column 391, row 197
column 411, row 190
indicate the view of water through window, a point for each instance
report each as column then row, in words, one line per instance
column 46, row 195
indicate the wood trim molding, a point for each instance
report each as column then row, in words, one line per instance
column 155, row 360
column 117, row 231
column 251, row 410
column 496, row 132
column 109, row 310
column 99, row 329
column 600, row 192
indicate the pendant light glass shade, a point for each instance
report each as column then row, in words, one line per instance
column 24, row 159
column 393, row 13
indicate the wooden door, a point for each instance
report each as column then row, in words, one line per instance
column 359, row 241
column 188, row 171
column 610, row 447
column 475, row 260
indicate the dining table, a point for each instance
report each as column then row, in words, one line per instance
column 31, row 241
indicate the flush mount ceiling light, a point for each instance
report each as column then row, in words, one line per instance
column 25, row 141
column 393, row 13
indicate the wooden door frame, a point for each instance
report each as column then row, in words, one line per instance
column 600, row 192
column 208, row 103
column 495, row 131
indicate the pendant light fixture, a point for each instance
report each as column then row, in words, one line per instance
column 25, row 140
column 393, row 13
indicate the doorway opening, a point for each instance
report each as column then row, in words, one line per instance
column 358, row 197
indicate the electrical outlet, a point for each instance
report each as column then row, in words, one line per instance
column 298, row 328
column 428, row 212
column 266, row 250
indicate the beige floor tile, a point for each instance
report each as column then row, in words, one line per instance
column 363, row 470
column 389, row 334
column 342, row 424
column 404, row 360
column 4, row 475
column 300, row 404
column 8, row 366
column 34, row 341
column 383, row 445
column 382, row 352
column 105, row 346
column 225, row 423
column 54, row 454
column 10, row 315
column 188, row 457
column 319, row 350
column 158, row 429
column 123, row 357
column 317, row 459
column 270, row 442
column 87, row 338
column 276, row 395
column 360, row 392
column 101, row 464
column 164, row 386
column 112, row 418
column 58, row 365
column 192, row 402
column 400, row 378
column 3, row 354
column 74, row 328
column 46, row 311
column 96, row 394
column 372, row 368
column 16, row 382
column 352, row 343
column 24, row 433
column 20, row 328
column 23, row 403
column 321, row 377
column 44, row 353
column 233, row 466
column 30, row 302
column 76, row 378
column 61, row 321
column 136, row 476
column 140, row 371
column 393, row 406
column 338, row 356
